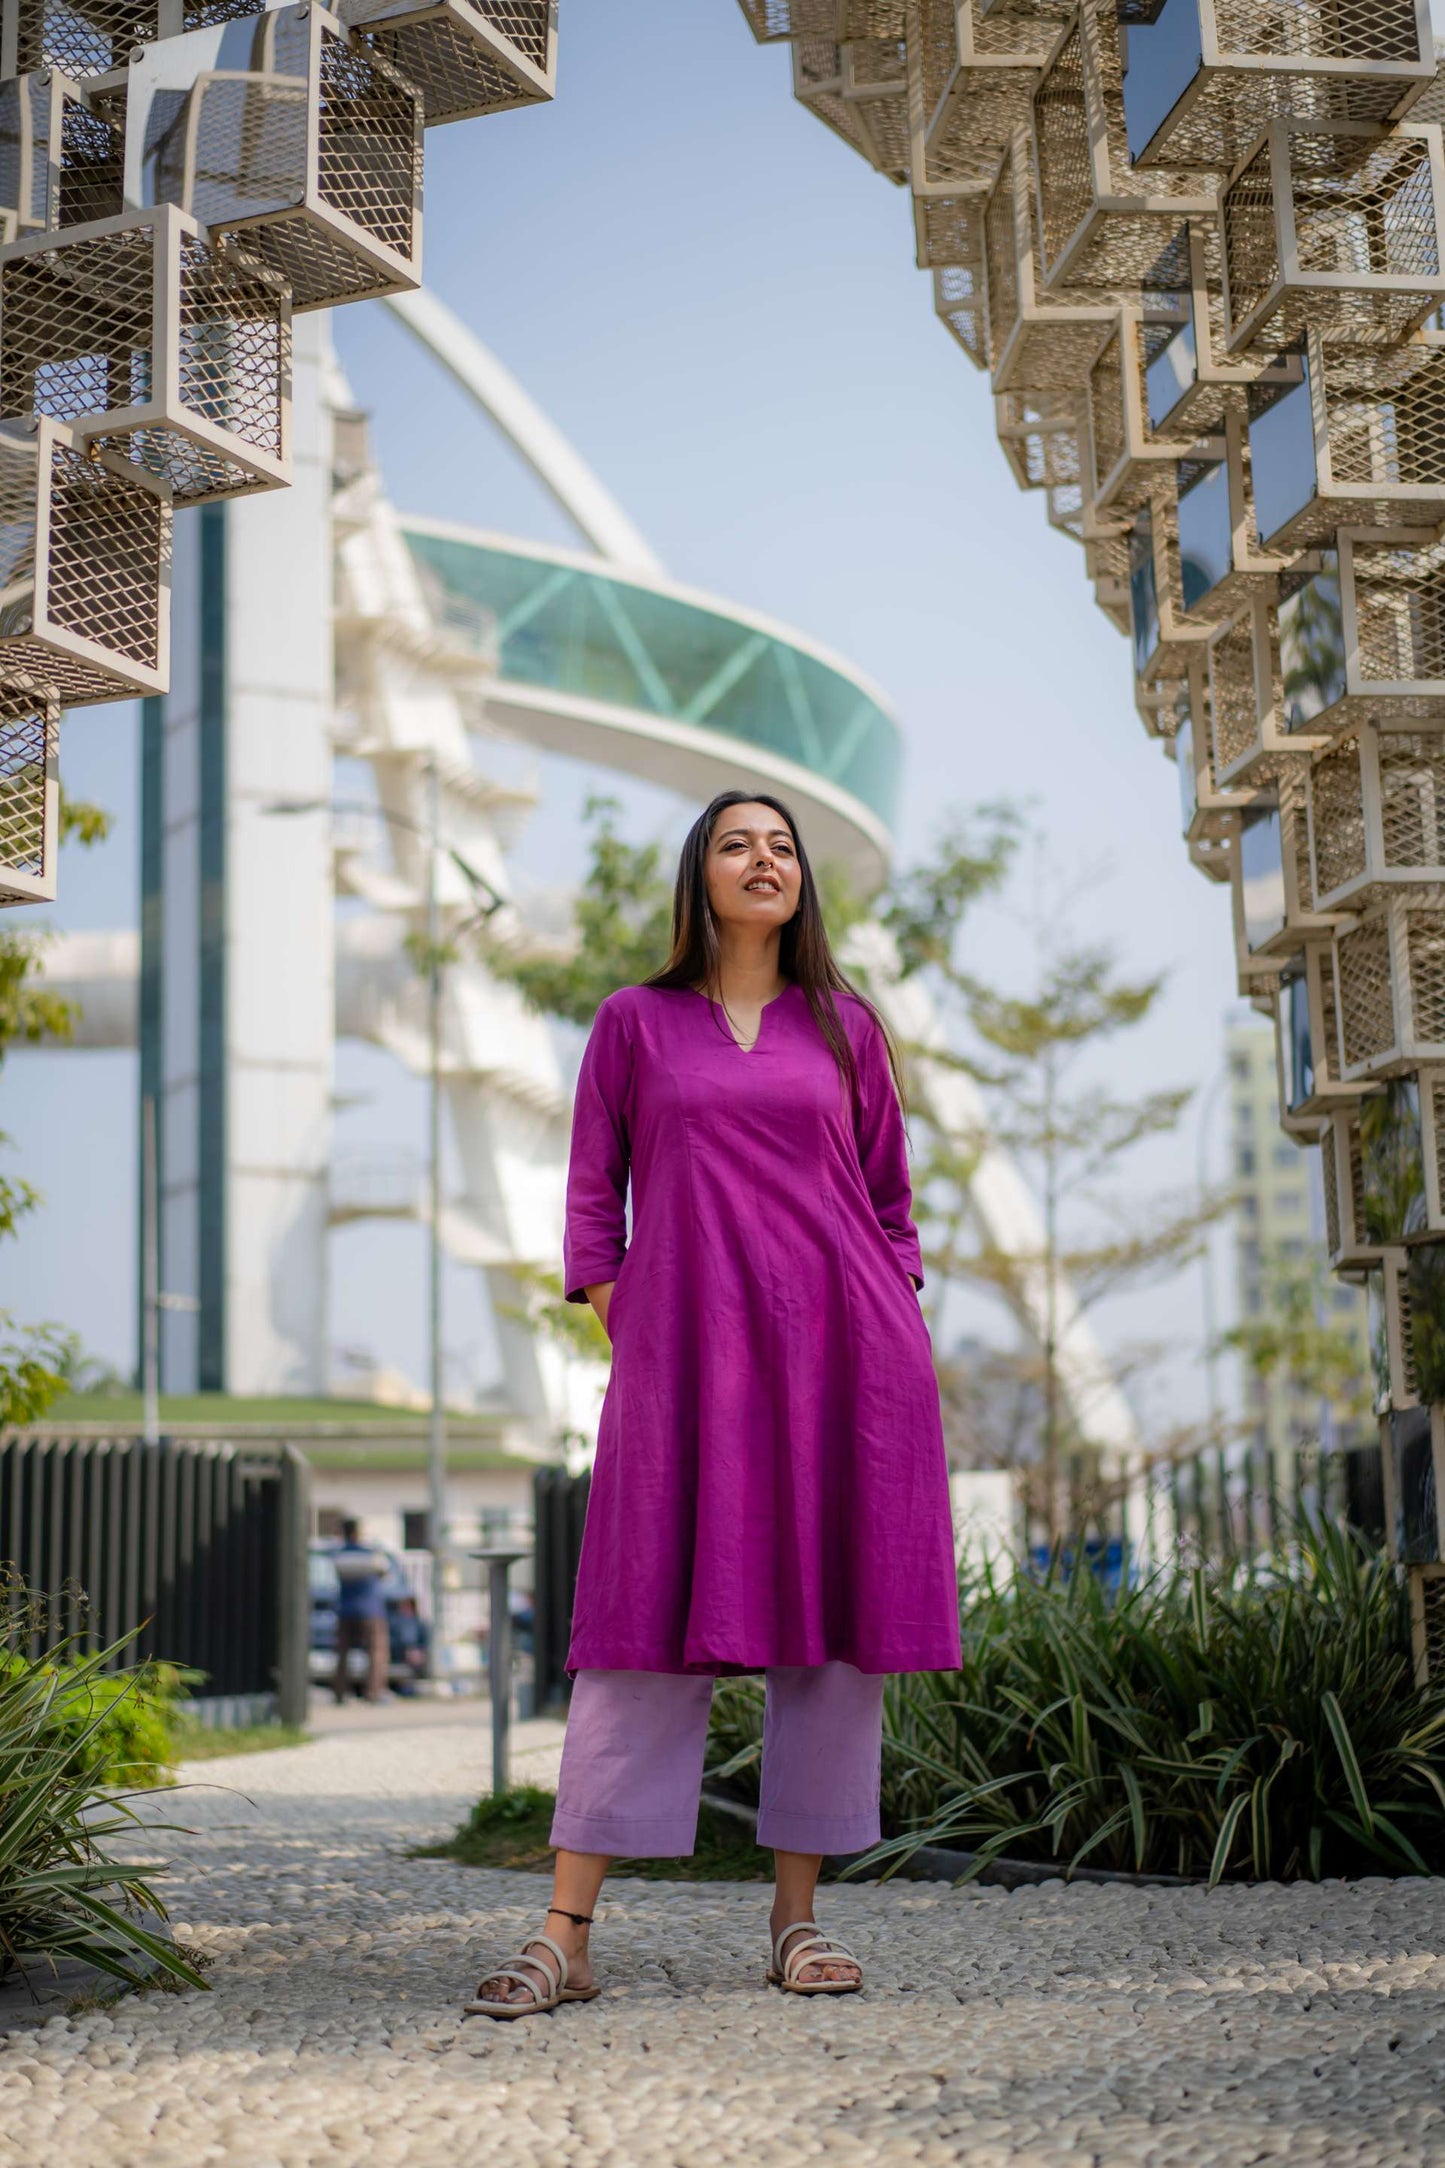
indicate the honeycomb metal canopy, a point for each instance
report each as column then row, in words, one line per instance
column 177, row 179
column 1197, row 244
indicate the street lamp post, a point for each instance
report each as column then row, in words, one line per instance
column 431, row 836
column 436, row 1447
column 1211, row 1322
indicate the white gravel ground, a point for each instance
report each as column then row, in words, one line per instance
column 1052, row 2027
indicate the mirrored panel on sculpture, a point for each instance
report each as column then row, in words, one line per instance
column 1283, row 464
column 1162, row 51
column 1261, row 869
column 1392, row 1155
column 1206, row 536
column 1312, row 644
column 1143, row 592
column 1297, row 1040
column 1417, row 1527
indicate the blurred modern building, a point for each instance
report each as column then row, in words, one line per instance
column 1279, row 1231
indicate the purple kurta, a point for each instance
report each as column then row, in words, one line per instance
column 770, row 1485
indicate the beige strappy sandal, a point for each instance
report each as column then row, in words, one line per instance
column 815, row 1948
column 557, row 1989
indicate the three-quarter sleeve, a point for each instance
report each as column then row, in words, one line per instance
column 883, row 1149
column 597, row 1170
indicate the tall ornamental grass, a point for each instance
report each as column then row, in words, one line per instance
column 1229, row 1723
column 64, row 1892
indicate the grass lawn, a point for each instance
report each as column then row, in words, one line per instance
column 205, row 1742
column 512, row 1829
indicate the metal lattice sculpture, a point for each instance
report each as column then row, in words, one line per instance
column 1198, row 245
column 177, row 177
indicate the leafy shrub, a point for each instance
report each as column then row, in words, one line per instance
column 63, row 1893
column 1226, row 1723
column 120, row 1723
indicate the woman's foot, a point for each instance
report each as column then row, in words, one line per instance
column 820, row 1971
column 537, row 1961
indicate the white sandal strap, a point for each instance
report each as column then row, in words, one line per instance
column 815, row 1948
column 539, row 1965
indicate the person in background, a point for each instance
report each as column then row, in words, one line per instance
column 360, row 1612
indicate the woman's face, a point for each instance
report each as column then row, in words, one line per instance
column 753, row 875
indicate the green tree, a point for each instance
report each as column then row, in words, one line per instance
column 622, row 927
column 1293, row 1337
column 1073, row 1137
column 34, row 1358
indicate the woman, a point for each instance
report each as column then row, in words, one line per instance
column 770, row 1491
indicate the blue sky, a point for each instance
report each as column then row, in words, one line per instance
column 717, row 301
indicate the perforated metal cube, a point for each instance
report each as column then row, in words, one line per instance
column 948, row 232
column 1191, row 384
column 1307, row 1044
column 1426, row 1586
column 1377, row 814
column 1275, row 911
column 1202, row 76
column 1338, row 230
column 1343, row 1183
column 84, row 569
column 79, row 40
column 971, row 81
column 466, row 57
column 858, row 87
column 1360, row 438
column 60, row 162
column 1039, row 435
column 1035, row 341
column 1206, row 805
column 1253, row 734
column 1127, row 457
column 29, row 796
column 1392, row 625
column 1101, row 223
column 1167, row 623
column 1390, row 986
column 286, row 133
column 168, row 348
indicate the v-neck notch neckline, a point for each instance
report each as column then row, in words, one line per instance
column 747, row 1051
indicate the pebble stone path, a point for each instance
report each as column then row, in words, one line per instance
column 1057, row 2027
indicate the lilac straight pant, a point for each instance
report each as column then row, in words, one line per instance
column 632, row 1762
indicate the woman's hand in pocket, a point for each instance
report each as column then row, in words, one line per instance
column 600, row 1298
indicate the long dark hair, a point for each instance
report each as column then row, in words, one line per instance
column 805, row 955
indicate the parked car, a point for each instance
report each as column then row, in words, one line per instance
column 407, row 1630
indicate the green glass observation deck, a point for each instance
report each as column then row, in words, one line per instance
column 677, row 672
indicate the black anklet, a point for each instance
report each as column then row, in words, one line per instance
column 579, row 1919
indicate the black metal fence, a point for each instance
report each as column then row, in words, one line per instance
column 560, row 1506
column 1250, row 1505
column 199, row 1544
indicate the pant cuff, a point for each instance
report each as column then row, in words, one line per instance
column 675, row 1838
column 791, row 1832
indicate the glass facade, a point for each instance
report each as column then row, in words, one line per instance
column 1206, row 538
column 1261, row 869
column 1282, row 455
column 1161, row 58
column 1312, row 644
column 601, row 637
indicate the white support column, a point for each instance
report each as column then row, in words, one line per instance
column 242, row 919
column 280, row 969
